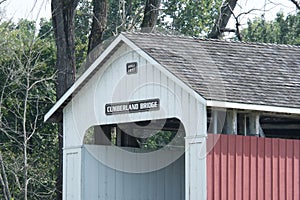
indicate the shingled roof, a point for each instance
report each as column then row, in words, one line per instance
column 250, row 73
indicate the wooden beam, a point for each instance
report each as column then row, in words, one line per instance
column 281, row 126
column 242, row 121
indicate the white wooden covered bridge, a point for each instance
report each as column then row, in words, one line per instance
column 179, row 88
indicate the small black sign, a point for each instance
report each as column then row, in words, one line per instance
column 132, row 107
column 131, row 68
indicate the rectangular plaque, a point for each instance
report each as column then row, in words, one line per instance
column 132, row 107
column 131, row 68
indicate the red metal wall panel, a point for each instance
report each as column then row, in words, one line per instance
column 296, row 171
column 248, row 168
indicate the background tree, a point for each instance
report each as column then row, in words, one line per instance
column 282, row 30
column 83, row 20
column 223, row 17
column 151, row 13
column 296, row 3
column 194, row 18
column 27, row 146
column 63, row 16
column 99, row 23
column 124, row 16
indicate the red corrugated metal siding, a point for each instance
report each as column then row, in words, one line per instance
column 247, row 168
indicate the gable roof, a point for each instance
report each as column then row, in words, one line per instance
column 250, row 74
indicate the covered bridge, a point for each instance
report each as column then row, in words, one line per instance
column 136, row 121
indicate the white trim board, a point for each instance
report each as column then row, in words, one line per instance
column 242, row 106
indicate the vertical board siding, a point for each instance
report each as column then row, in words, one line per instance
column 248, row 168
column 72, row 179
column 101, row 182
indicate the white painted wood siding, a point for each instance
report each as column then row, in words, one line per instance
column 103, row 183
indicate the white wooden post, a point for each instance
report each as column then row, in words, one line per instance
column 195, row 163
column 231, row 122
column 254, row 124
column 195, row 156
column 214, row 115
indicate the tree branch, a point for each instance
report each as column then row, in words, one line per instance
column 237, row 25
column 297, row 4
column 2, row 1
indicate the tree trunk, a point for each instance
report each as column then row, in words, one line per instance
column 63, row 12
column 150, row 15
column 223, row 18
column 99, row 23
column 100, row 10
column 59, row 178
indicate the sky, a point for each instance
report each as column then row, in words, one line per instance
column 257, row 6
column 30, row 9
column 35, row 9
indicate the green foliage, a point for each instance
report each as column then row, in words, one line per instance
column 283, row 30
column 45, row 31
column 83, row 20
column 27, row 89
column 191, row 17
column 159, row 140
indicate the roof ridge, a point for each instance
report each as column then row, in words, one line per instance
column 158, row 34
column 210, row 39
